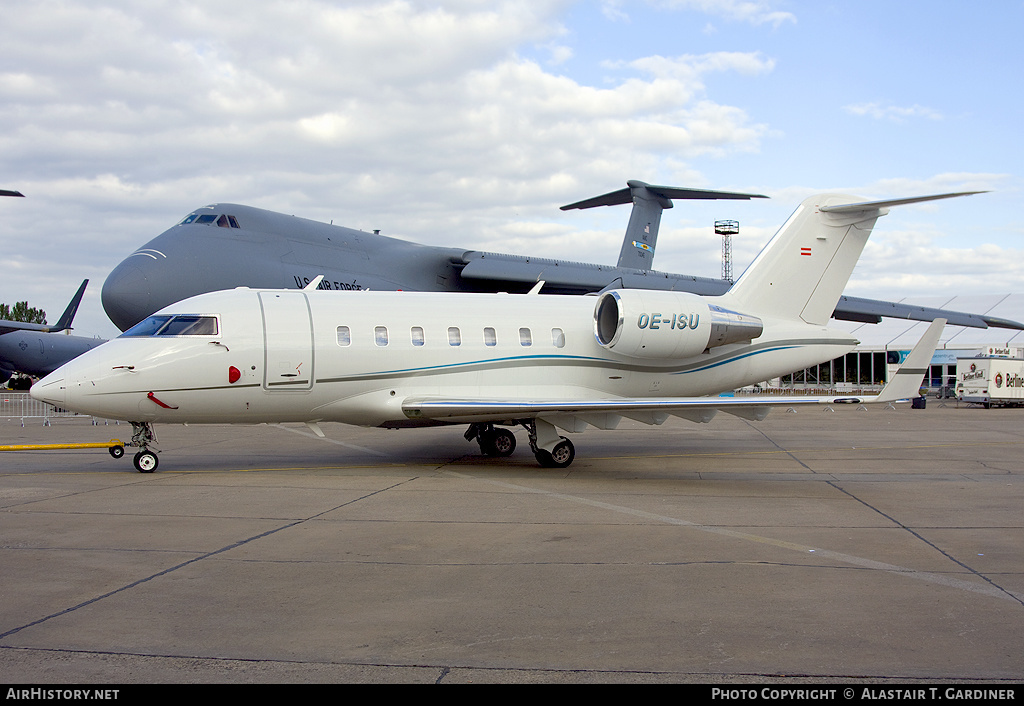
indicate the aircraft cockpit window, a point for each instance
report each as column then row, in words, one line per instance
column 223, row 220
column 147, row 327
column 226, row 221
column 190, row 326
column 168, row 325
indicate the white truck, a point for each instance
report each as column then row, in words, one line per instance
column 990, row 381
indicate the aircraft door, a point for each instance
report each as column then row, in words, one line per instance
column 287, row 341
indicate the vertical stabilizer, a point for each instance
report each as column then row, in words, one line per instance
column 803, row 270
column 642, row 232
column 68, row 316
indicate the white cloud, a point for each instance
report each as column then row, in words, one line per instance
column 893, row 112
column 915, row 262
column 755, row 12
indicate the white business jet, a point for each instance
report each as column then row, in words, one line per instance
column 492, row 361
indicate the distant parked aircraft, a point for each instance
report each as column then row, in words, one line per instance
column 228, row 245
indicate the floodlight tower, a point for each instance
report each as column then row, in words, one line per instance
column 727, row 229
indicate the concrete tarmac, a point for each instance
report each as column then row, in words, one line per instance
column 818, row 546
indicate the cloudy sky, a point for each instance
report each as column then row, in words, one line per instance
column 467, row 123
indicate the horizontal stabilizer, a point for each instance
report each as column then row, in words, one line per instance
column 878, row 205
column 623, row 196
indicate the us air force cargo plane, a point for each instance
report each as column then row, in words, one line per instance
column 227, row 245
column 38, row 349
column 492, row 361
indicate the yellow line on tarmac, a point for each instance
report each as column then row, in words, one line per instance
column 51, row 447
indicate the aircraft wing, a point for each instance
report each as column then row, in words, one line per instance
column 575, row 414
column 565, row 277
column 871, row 311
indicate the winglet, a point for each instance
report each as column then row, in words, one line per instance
column 906, row 382
column 64, row 322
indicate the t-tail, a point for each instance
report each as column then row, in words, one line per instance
column 802, row 271
column 648, row 202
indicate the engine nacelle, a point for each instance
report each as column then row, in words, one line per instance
column 657, row 324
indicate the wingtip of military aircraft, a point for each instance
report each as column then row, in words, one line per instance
column 997, row 322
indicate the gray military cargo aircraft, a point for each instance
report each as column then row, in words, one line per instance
column 39, row 349
column 225, row 245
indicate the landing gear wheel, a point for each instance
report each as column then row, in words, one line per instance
column 498, row 442
column 562, row 455
column 116, row 451
column 146, row 461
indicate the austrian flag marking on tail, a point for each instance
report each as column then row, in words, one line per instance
column 805, row 251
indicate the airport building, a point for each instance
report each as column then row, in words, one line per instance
column 883, row 346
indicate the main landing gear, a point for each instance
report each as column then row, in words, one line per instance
column 493, row 442
column 143, row 435
column 550, row 449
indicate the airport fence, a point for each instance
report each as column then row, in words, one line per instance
column 20, row 405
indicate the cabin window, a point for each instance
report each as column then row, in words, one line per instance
column 490, row 338
column 174, row 325
column 454, row 336
column 558, row 338
column 380, row 336
column 344, row 336
column 417, row 335
column 525, row 337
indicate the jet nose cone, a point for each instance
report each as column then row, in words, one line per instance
column 127, row 296
column 51, row 389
